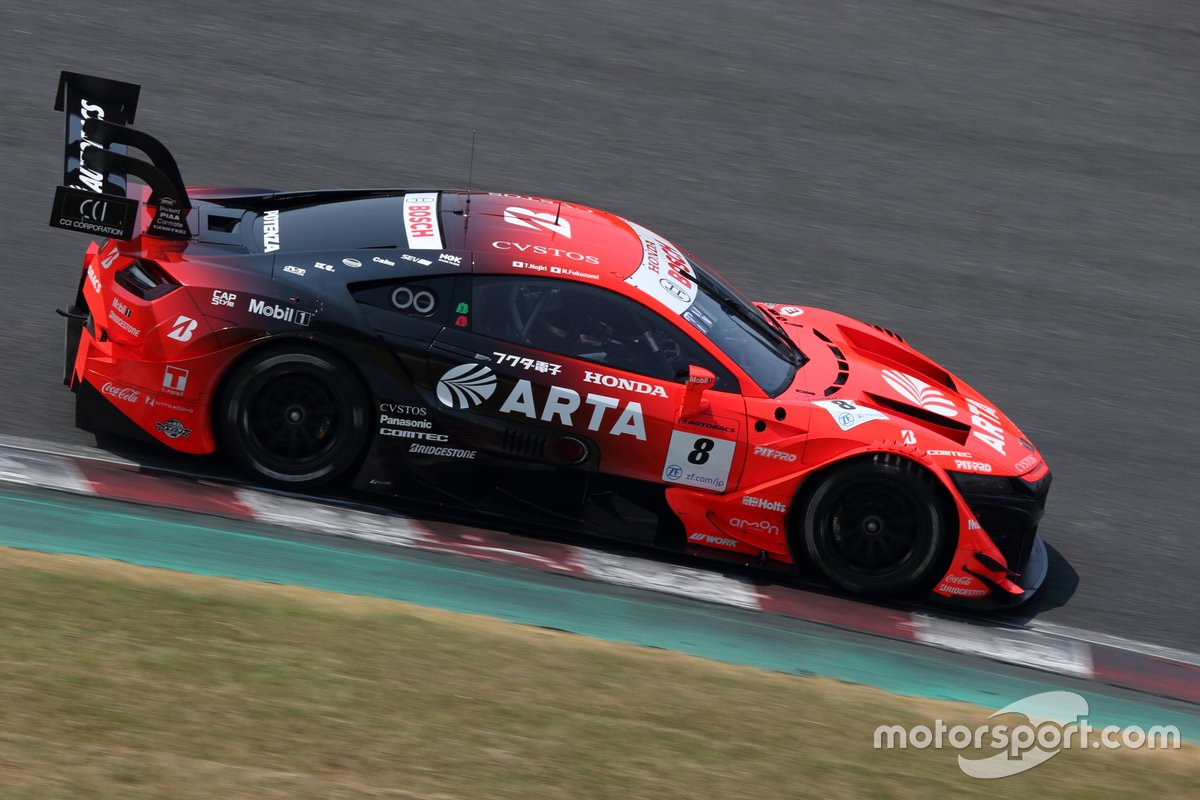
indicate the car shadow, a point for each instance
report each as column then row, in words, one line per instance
column 1061, row 581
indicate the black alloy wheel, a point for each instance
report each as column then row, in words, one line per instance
column 295, row 417
column 877, row 526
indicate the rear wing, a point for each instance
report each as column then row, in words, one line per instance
column 93, row 195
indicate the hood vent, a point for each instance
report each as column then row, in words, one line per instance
column 891, row 354
column 950, row 428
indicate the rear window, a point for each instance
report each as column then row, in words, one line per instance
column 349, row 225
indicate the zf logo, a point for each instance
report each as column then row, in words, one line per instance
column 181, row 331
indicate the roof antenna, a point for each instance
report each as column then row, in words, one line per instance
column 557, row 214
column 470, row 177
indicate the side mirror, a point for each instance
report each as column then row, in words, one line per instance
column 699, row 380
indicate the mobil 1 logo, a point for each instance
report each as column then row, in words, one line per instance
column 699, row 459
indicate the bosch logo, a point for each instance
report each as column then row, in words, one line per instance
column 466, row 386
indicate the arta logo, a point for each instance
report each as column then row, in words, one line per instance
column 466, row 386
column 181, row 331
column 920, row 393
column 523, row 217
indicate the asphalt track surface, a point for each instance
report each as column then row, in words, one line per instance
column 1013, row 186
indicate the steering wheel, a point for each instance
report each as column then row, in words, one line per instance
column 661, row 356
column 527, row 328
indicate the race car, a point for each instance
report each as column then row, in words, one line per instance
column 530, row 360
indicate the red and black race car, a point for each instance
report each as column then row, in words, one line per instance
column 529, row 359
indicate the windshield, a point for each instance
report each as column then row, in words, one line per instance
column 750, row 338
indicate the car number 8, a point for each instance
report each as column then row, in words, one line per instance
column 700, row 451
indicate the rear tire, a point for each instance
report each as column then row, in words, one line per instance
column 877, row 526
column 295, row 418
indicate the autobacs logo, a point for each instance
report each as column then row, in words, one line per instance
column 281, row 313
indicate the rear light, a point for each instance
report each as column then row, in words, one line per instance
column 146, row 279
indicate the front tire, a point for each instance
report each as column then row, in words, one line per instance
column 877, row 526
column 295, row 417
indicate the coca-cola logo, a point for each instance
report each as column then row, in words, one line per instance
column 120, row 392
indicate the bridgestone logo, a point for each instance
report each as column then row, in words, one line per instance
column 445, row 452
column 281, row 313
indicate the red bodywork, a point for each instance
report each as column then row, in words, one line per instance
column 863, row 389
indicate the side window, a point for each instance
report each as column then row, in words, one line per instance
column 588, row 323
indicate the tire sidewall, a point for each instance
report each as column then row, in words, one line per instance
column 258, row 372
column 914, row 482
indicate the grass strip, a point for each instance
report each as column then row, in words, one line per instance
column 119, row 681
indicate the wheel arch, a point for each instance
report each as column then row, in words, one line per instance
column 283, row 344
column 794, row 518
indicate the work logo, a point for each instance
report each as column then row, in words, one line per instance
column 466, row 386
